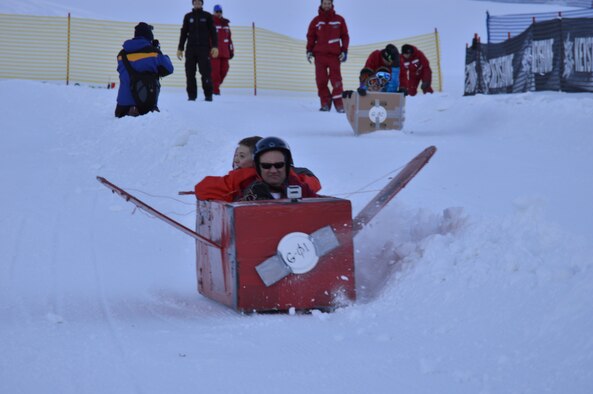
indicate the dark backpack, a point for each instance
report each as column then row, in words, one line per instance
column 145, row 87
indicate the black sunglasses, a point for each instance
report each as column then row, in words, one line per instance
column 277, row 165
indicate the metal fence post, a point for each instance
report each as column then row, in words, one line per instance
column 254, row 61
column 68, row 54
column 436, row 36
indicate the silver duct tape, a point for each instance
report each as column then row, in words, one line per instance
column 325, row 240
column 272, row 270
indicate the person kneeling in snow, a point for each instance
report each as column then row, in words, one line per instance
column 386, row 60
column 268, row 180
column 415, row 69
column 380, row 73
column 140, row 65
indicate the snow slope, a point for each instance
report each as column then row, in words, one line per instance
column 477, row 278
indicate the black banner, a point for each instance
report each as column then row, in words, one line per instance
column 552, row 55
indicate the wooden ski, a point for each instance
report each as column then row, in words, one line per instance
column 147, row 208
column 391, row 189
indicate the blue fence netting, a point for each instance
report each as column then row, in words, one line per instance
column 503, row 27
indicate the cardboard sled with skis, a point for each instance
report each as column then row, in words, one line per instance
column 278, row 255
column 375, row 111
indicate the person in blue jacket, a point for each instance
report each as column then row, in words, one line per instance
column 144, row 55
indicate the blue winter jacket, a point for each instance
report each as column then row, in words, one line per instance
column 393, row 85
column 143, row 56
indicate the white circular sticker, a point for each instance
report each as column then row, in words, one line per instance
column 377, row 113
column 298, row 252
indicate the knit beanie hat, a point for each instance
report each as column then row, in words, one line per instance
column 407, row 49
column 217, row 8
column 390, row 53
column 144, row 30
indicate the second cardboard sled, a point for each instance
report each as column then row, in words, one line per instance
column 375, row 111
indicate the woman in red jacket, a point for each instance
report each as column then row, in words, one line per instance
column 226, row 51
column 414, row 70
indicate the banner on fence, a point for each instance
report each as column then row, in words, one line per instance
column 551, row 55
column 501, row 27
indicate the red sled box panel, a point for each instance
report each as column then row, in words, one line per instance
column 249, row 234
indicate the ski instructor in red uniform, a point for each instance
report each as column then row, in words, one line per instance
column 327, row 42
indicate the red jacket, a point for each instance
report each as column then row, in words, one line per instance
column 415, row 68
column 225, row 42
column 327, row 34
column 375, row 60
column 229, row 187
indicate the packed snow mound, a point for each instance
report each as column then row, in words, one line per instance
column 476, row 277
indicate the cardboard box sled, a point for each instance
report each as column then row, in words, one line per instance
column 375, row 111
column 276, row 255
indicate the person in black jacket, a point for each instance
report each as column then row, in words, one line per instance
column 200, row 33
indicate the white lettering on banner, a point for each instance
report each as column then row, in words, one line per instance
column 502, row 72
column 543, row 56
column 583, row 54
column 471, row 78
column 568, row 58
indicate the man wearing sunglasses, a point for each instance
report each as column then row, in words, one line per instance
column 274, row 166
column 269, row 180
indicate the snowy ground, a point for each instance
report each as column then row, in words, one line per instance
column 486, row 289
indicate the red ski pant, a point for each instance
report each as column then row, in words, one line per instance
column 327, row 68
column 220, row 68
column 409, row 81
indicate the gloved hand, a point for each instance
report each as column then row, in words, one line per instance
column 309, row 56
column 156, row 44
column 361, row 91
column 403, row 90
column 365, row 73
column 347, row 93
column 180, row 55
column 343, row 56
column 214, row 52
column 426, row 87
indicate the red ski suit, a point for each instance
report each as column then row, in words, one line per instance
column 230, row 187
column 414, row 70
column 375, row 61
column 327, row 37
column 226, row 51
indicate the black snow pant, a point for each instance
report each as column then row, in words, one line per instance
column 199, row 56
column 131, row 110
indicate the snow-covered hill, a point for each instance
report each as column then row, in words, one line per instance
column 477, row 278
